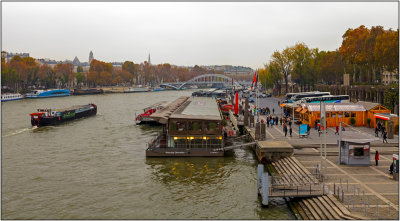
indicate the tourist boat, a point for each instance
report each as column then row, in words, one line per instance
column 45, row 117
column 136, row 89
column 190, row 127
column 48, row 93
column 11, row 97
column 145, row 117
column 87, row 91
column 159, row 89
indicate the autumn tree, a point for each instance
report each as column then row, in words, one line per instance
column 64, row 73
column 283, row 63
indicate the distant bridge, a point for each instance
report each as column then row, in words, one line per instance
column 204, row 79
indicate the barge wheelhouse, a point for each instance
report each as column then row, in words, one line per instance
column 191, row 127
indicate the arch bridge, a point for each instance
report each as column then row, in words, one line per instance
column 204, row 79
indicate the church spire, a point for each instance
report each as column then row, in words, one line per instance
column 149, row 61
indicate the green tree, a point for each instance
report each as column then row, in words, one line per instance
column 80, row 78
column 79, row 69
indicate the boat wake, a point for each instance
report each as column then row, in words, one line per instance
column 20, row 131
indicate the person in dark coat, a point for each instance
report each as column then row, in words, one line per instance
column 376, row 157
column 290, row 131
column 383, row 129
column 391, row 169
column 308, row 129
column 316, row 125
column 376, row 131
column 273, row 111
column 384, row 137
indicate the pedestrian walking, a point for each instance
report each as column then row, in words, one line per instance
column 272, row 122
column 383, row 129
column 384, row 137
column 316, row 124
column 267, row 122
column 308, row 129
column 290, row 123
column 285, row 130
column 376, row 131
column 337, row 130
column 376, row 157
column 280, row 120
column 290, row 131
column 273, row 111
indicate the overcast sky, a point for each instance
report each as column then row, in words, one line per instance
column 201, row 33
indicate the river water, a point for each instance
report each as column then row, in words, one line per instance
column 95, row 168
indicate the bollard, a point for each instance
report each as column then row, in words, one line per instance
column 377, row 210
column 340, row 179
column 368, row 201
column 334, row 188
column 342, row 196
column 389, row 209
column 347, row 183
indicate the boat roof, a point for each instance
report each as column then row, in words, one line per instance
column 349, row 107
column 161, row 103
column 162, row 115
column 199, row 108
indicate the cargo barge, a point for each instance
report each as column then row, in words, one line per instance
column 52, row 117
column 191, row 127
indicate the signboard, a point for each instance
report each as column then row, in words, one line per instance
column 303, row 130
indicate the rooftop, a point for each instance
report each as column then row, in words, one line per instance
column 335, row 107
column 198, row 108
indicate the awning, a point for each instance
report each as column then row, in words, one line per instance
column 282, row 105
column 303, row 111
column 299, row 109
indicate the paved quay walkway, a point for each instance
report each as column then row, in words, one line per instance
column 368, row 191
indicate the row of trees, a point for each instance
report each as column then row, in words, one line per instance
column 20, row 73
column 364, row 54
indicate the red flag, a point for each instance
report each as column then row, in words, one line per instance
column 237, row 103
column 254, row 80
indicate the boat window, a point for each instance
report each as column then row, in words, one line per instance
column 346, row 114
column 178, row 125
column 195, row 126
column 214, row 143
column 180, row 143
column 353, row 114
column 333, row 115
column 196, row 143
column 212, row 126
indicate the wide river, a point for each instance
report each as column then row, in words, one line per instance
column 95, row 168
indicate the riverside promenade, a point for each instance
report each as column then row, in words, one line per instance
column 366, row 191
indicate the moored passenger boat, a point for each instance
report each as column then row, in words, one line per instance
column 145, row 117
column 136, row 90
column 48, row 93
column 11, row 97
column 191, row 127
column 45, row 117
column 88, row 91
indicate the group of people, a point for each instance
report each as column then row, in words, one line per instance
column 382, row 129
